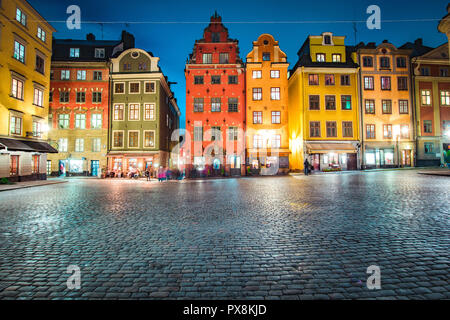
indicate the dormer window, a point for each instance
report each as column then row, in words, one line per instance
column 99, row 52
column 215, row 37
column 327, row 39
column 336, row 57
column 74, row 52
column 266, row 56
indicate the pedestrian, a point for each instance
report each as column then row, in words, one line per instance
column 147, row 174
column 306, row 165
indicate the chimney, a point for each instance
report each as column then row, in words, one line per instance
column 418, row 42
column 128, row 40
column 90, row 37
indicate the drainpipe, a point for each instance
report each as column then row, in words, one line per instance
column 413, row 108
column 361, row 114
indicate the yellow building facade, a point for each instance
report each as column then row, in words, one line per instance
column 25, row 53
column 267, row 108
column 324, row 106
column 387, row 111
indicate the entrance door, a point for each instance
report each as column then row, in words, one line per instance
column 316, row 162
column 235, row 165
column 95, row 166
column 351, row 161
column 62, row 167
column 406, row 158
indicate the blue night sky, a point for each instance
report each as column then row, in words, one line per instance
column 174, row 41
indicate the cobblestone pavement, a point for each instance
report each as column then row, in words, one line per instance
column 272, row 237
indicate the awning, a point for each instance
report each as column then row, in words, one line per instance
column 330, row 148
column 27, row 146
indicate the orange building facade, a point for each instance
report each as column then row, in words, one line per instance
column 387, row 110
column 267, row 108
column 215, row 105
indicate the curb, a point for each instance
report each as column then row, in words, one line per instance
column 31, row 186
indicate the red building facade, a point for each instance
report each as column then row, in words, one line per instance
column 215, row 105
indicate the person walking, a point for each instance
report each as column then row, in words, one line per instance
column 306, row 165
column 147, row 175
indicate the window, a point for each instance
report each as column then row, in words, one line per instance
column 64, row 96
column 65, row 74
column 427, row 126
column 215, row 79
column 426, row 97
column 38, row 97
column 81, row 75
column 330, row 102
column 370, row 131
column 149, row 139
column 387, row 131
column 96, row 97
column 276, row 117
column 368, row 83
column 63, row 120
column 135, row 87
column 81, row 97
column 232, row 105
column 216, row 134
column 97, row 76
column 386, row 106
column 385, row 62
column 257, row 74
column 16, row 125
column 401, row 62
column 258, row 141
column 118, row 112
column 35, row 164
column 445, row 98
column 80, row 121
column 215, row 36
column 17, row 88
column 40, row 64
column 63, row 145
column 198, row 104
column 266, row 56
column 385, row 83
column 331, row 129
column 313, row 79
column 96, row 145
column 21, row 17
column 257, row 117
column 19, row 51
column 314, row 102
column 99, row 53
column 207, row 58
column 133, row 139
column 402, row 83
column 14, row 166
column 443, row 72
column 404, row 131
column 223, row 58
column 118, row 139
column 215, row 104
column 329, row 79
column 232, row 80
column 274, row 74
column 198, row 133
column 345, row 80
column 133, row 112
column 314, row 129
column 327, row 39
column 119, row 88
column 50, row 96
column 79, row 145
column 149, row 87
column 127, row 66
column 41, row 34
column 74, row 52
column 276, row 141
column 320, row 57
column 233, row 133
column 275, row 93
column 336, row 57
column 424, row 71
column 96, row 121
column 370, row 106
column 346, row 102
column 367, row 62
column 403, row 106
column 428, row 147
column 149, row 111
column 347, row 129
column 198, row 79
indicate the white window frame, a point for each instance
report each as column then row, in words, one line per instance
column 96, row 144
column 154, row 139
column 79, row 145
column 66, row 74
column 152, row 106
column 15, row 88
column 139, row 111
column 275, row 93
column 16, row 116
column 275, row 74
column 257, row 74
column 138, row 139
column 96, row 123
column 63, row 145
column 81, row 122
column 209, row 60
column 129, row 87
column 23, row 17
column 154, row 87
column 99, row 53
column 83, row 74
column 115, row 92
column 123, row 139
column 123, row 111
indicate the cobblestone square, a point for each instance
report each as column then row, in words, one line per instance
column 248, row 238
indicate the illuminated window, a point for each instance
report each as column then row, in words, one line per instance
column 74, row 52
column 96, row 121
column 313, row 79
column 80, row 121
column 118, row 112
column 276, row 117
column 149, row 111
column 257, row 117
column 426, row 97
column 21, row 17
column 79, row 145
column 257, row 74
column 275, row 93
column 133, row 112
column 445, row 98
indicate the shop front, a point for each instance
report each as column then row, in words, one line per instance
column 134, row 165
column 332, row 156
column 267, row 163
column 387, row 155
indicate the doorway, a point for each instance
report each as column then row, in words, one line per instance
column 406, row 158
column 95, row 167
column 351, row 161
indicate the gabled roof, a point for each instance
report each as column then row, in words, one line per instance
column 417, row 48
